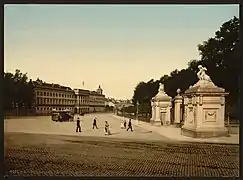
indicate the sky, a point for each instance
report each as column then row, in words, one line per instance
column 114, row 46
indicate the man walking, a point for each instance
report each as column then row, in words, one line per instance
column 78, row 129
column 95, row 123
column 129, row 125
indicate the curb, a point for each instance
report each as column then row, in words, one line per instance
column 184, row 141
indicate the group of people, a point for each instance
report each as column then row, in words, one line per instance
column 124, row 125
column 107, row 126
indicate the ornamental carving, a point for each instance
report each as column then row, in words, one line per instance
column 210, row 115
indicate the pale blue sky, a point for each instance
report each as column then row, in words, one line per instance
column 114, row 46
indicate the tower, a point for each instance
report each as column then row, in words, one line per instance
column 99, row 90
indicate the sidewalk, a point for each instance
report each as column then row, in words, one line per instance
column 174, row 133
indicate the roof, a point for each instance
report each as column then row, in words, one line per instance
column 50, row 85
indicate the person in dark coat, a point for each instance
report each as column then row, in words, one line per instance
column 129, row 125
column 78, row 129
column 95, row 123
column 125, row 124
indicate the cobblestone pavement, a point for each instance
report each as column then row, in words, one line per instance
column 56, row 155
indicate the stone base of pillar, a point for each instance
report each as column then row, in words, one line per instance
column 176, row 125
column 156, row 123
column 167, row 123
column 204, row 133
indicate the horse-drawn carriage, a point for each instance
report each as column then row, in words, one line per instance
column 61, row 115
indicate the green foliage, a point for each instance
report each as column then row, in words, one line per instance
column 221, row 56
column 130, row 109
column 17, row 89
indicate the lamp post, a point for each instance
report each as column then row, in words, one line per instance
column 13, row 104
column 17, row 109
column 137, row 113
column 123, row 112
column 23, row 105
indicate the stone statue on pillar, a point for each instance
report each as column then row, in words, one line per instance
column 178, row 92
column 161, row 87
column 204, row 108
column 202, row 74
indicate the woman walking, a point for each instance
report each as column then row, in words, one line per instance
column 107, row 130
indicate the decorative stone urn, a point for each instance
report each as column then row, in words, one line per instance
column 204, row 109
column 161, row 105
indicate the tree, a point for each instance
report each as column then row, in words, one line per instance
column 17, row 89
column 143, row 93
column 221, row 56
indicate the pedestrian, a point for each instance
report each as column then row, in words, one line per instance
column 129, row 125
column 95, row 123
column 78, row 129
column 125, row 124
column 122, row 126
column 107, row 130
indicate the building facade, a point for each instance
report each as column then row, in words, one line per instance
column 82, row 101
column 54, row 96
column 97, row 101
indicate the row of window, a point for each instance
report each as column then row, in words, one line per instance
column 61, row 95
column 93, row 103
column 54, row 101
column 51, row 108
column 59, row 108
column 40, row 100
column 54, row 94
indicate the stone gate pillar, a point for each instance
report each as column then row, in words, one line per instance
column 162, row 110
column 153, row 110
column 157, row 120
column 177, row 111
column 204, row 109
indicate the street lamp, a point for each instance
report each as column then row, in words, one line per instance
column 23, row 105
column 137, row 113
column 17, row 108
column 123, row 112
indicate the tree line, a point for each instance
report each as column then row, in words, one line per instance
column 17, row 91
column 219, row 54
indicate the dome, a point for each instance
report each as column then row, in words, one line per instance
column 162, row 96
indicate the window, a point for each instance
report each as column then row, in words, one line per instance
column 50, row 94
column 47, row 93
column 37, row 93
column 41, row 93
column 44, row 93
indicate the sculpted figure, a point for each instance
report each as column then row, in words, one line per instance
column 161, row 87
column 202, row 74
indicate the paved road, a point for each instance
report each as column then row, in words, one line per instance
column 45, row 125
column 56, row 155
